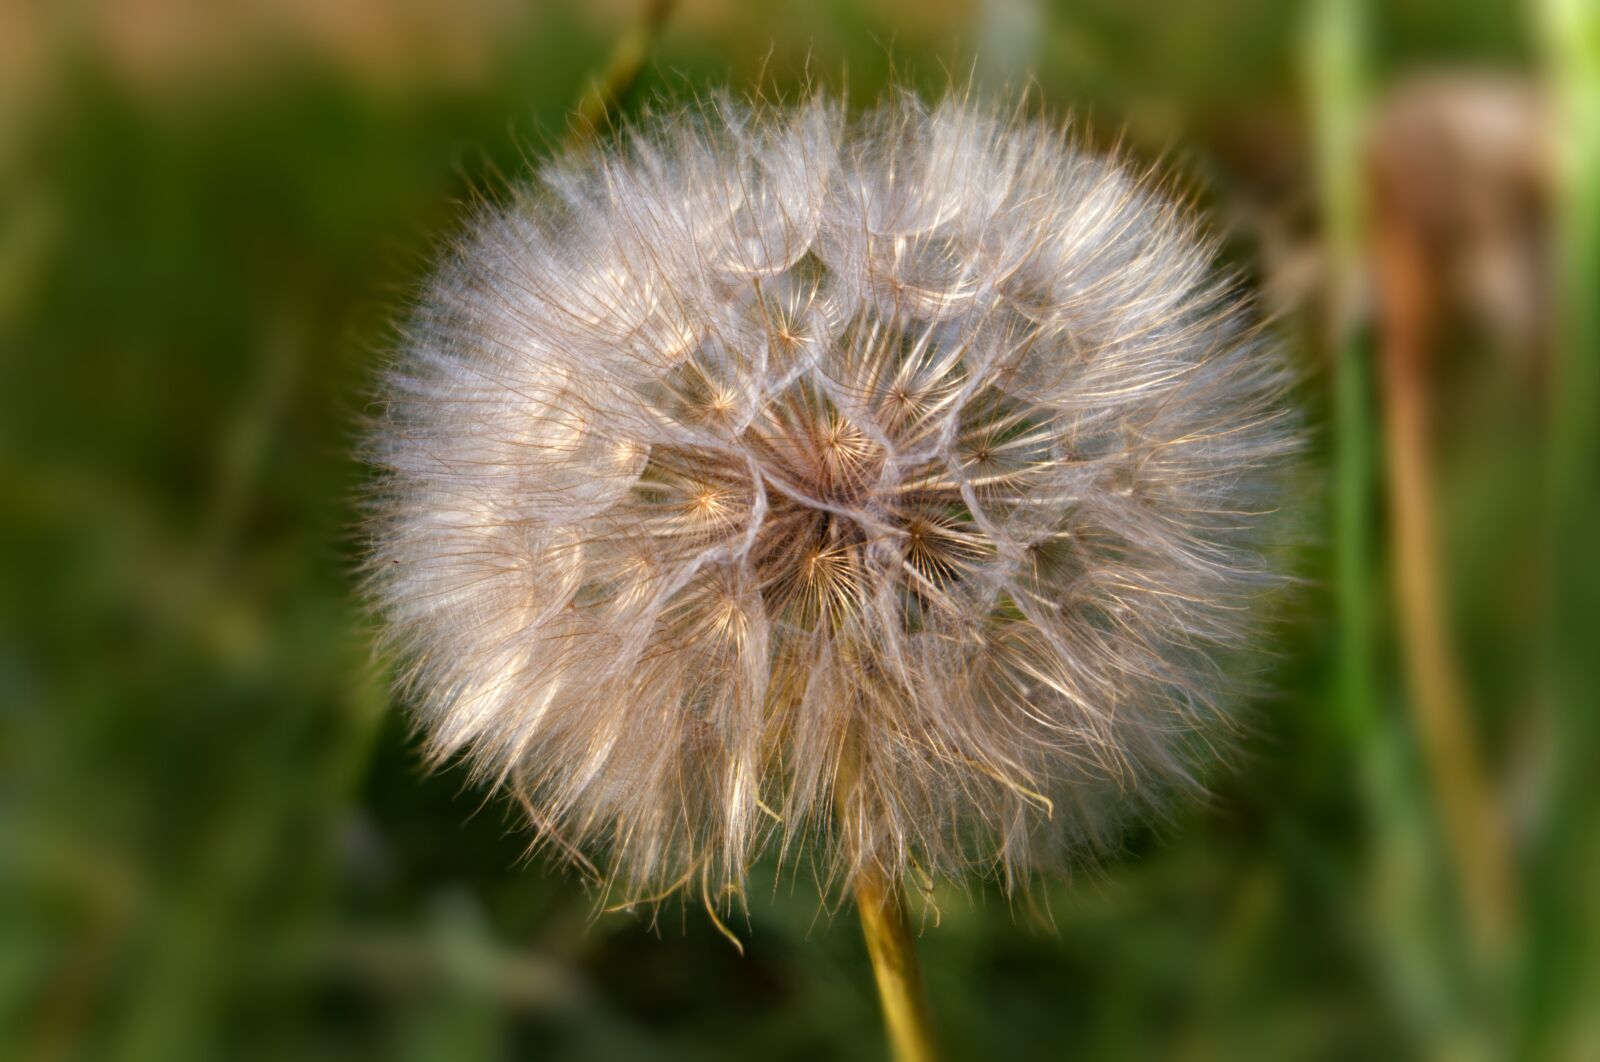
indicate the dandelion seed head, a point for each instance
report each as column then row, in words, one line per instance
column 885, row 492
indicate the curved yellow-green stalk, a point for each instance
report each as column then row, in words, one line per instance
column 894, row 965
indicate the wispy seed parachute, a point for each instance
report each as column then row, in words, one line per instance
column 880, row 493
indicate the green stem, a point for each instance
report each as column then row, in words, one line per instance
column 1333, row 59
column 597, row 109
column 1566, row 922
column 894, row 964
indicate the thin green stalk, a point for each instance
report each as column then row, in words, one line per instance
column 881, row 904
column 1335, row 88
column 598, row 106
column 894, row 965
column 1565, row 960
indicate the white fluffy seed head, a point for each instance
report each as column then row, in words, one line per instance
column 885, row 490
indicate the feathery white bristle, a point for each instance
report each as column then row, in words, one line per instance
column 887, row 490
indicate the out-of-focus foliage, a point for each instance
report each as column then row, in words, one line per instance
column 215, row 839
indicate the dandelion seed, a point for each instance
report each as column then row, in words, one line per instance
column 885, row 491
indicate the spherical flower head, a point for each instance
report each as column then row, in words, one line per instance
column 887, row 493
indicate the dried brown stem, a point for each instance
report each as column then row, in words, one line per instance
column 1462, row 792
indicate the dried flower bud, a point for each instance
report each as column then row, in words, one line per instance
column 881, row 490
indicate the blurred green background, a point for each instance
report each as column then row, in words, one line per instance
column 216, row 841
